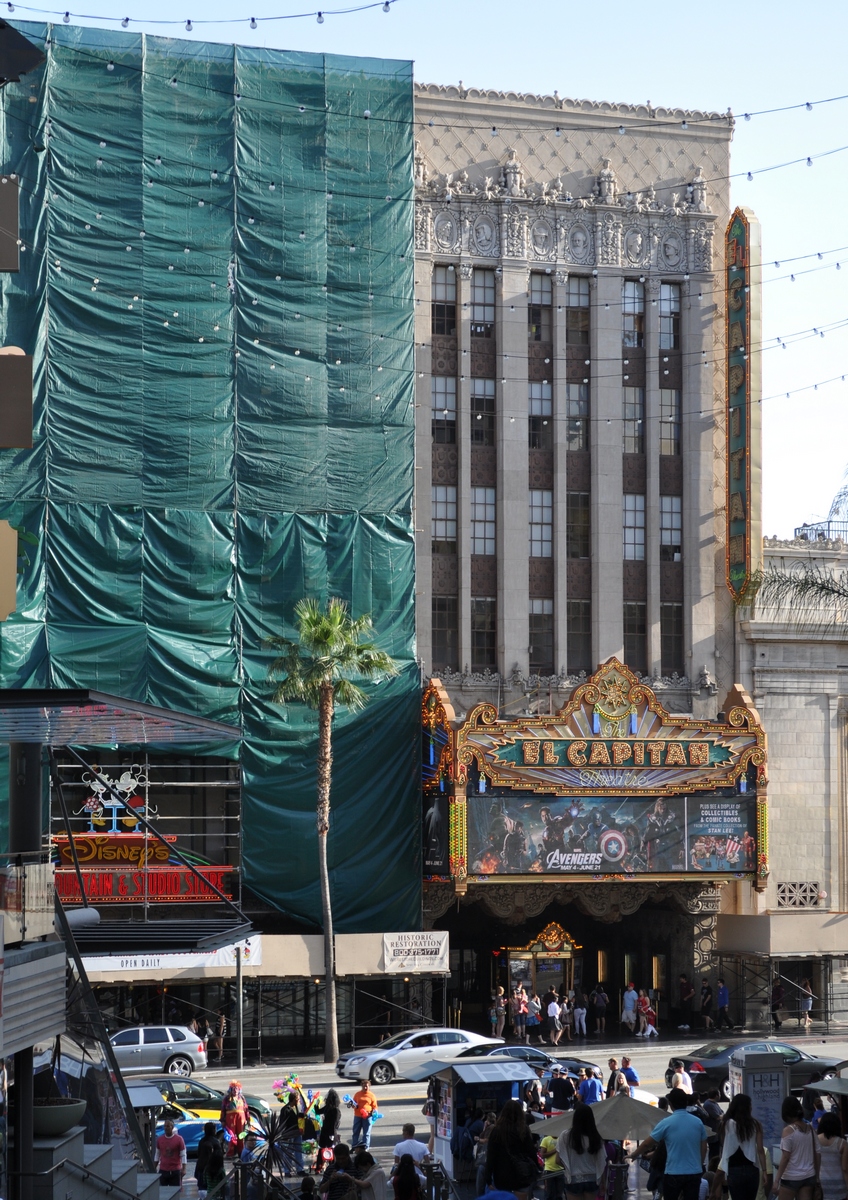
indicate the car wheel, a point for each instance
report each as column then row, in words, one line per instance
column 725, row 1089
column 382, row 1073
column 179, row 1065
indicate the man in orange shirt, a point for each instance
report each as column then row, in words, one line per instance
column 364, row 1108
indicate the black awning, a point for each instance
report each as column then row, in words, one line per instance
column 81, row 717
column 159, row 937
column 17, row 54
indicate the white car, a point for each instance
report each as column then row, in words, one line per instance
column 405, row 1052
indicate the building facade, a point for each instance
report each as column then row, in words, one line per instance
column 571, row 330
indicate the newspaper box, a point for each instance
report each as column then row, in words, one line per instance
column 766, row 1078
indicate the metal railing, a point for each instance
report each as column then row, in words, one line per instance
column 822, row 531
column 26, row 896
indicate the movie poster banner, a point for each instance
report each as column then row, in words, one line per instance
column 517, row 834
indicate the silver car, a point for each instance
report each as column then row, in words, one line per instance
column 148, row 1049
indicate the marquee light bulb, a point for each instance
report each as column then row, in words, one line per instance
column 125, row 22
column 387, row 7
column 621, row 129
column 109, row 66
column 750, row 177
column 67, row 18
column 253, row 22
column 320, row 18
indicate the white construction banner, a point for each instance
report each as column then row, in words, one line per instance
column 225, row 956
column 423, row 952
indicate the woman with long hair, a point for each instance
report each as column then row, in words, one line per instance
column 833, row 1175
column 330, row 1113
column 371, row 1183
column 798, row 1168
column 405, row 1181
column 806, row 1001
column 581, row 1151
column 743, row 1156
column 511, row 1162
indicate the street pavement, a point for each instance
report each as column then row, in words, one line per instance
column 401, row 1101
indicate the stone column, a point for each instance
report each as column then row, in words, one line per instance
column 560, row 439
column 463, row 446
column 513, row 481
column 698, row 500
column 423, row 461
column 606, row 442
column 652, row 474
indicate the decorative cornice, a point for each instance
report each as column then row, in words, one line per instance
column 806, row 545
column 452, row 91
column 561, row 682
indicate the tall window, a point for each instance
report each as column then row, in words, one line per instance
column 671, row 529
column 633, row 314
column 443, row 408
column 669, row 316
column 484, row 635
column 483, row 412
column 671, row 638
column 577, row 416
column 577, row 525
column 541, row 523
column 443, row 301
column 541, row 421
column 482, row 520
column 634, row 526
column 542, row 637
column 669, row 421
column 443, row 520
column 482, row 302
column 579, row 632
column 539, row 321
column 445, row 633
column 634, row 420
column 577, row 311
column 635, row 636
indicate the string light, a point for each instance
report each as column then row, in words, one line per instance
column 188, row 26
column 253, row 23
column 320, row 18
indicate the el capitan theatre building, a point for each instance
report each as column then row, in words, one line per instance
column 591, row 843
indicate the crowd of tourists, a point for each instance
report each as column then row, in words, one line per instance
column 568, row 1014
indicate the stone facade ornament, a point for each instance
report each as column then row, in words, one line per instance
column 637, row 246
column 422, row 227
column 420, row 171
column 515, row 239
column 609, row 240
column 698, row 193
column 577, row 243
column 465, row 270
column 702, row 248
column 542, row 239
column 606, row 185
column 671, row 255
column 446, row 231
column 513, row 176
column 485, row 235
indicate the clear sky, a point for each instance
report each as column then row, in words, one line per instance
column 748, row 55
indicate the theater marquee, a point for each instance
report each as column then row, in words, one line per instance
column 612, row 785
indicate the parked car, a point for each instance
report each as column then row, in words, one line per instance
column 579, row 1064
column 528, row 1054
column 143, row 1049
column 190, row 1125
column 192, row 1094
column 406, row 1051
column 709, row 1066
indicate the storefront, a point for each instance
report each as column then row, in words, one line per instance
column 596, row 839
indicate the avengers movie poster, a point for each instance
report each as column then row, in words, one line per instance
column 516, row 834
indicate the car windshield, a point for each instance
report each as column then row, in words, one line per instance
column 392, row 1042
column 713, row 1049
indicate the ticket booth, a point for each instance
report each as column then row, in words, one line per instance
column 547, row 961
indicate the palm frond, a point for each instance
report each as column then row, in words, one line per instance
column 807, row 587
column 349, row 694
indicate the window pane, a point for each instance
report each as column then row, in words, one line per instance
column 633, row 313
column 542, row 637
column 579, row 632
column 577, row 312
column 482, row 520
column 443, row 408
column 669, row 421
column 540, row 288
column 540, row 409
column 634, row 420
column 541, row 523
column 669, row 316
column 539, row 321
column 634, row 526
column 483, row 412
column 577, row 293
column 671, row 638
column 482, row 302
column 443, row 520
column 671, row 529
column 443, row 301
column 155, row 1036
column 635, row 637
column 484, row 635
column 577, row 530
column 445, row 634
column 577, row 416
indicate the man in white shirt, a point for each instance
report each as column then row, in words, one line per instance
column 409, row 1145
column 681, row 1078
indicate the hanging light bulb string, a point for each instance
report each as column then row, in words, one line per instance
column 67, row 16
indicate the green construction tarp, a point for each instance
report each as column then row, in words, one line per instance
column 216, row 285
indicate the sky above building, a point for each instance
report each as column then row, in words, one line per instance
column 751, row 57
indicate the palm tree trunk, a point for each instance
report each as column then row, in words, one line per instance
column 325, row 763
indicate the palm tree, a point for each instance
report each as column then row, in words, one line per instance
column 319, row 668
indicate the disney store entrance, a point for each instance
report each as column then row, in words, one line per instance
column 544, row 963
